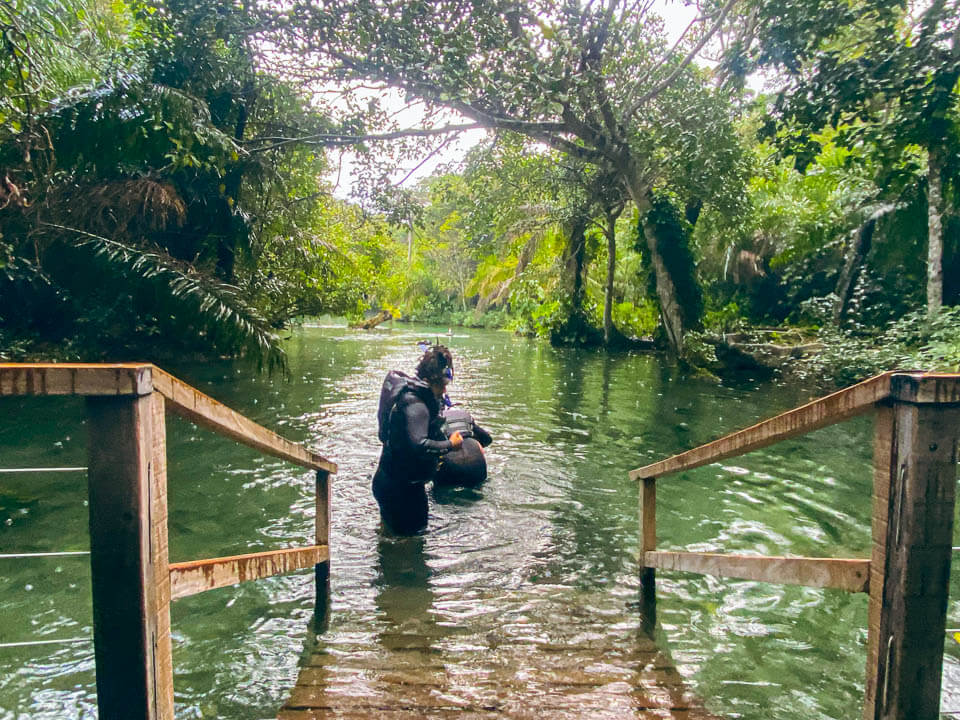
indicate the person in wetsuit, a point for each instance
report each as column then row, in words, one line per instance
column 413, row 444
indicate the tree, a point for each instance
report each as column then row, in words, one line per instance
column 888, row 69
column 518, row 195
column 595, row 82
column 152, row 201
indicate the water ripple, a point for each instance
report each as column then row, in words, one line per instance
column 530, row 579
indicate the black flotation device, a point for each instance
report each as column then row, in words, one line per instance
column 393, row 384
column 467, row 465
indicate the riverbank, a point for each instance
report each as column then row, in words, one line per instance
column 829, row 357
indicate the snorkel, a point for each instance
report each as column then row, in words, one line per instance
column 447, row 379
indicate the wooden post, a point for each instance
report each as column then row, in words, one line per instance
column 322, row 570
column 882, row 464
column 128, row 557
column 648, row 543
column 915, row 475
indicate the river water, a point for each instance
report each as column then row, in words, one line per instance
column 548, row 543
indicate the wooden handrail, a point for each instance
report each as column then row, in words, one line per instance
column 916, row 445
column 136, row 379
column 190, row 578
column 132, row 580
column 842, row 405
column 90, row 379
column 915, row 387
column 852, row 575
column 193, row 405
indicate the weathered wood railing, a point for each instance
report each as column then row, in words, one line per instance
column 917, row 425
column 133, row 581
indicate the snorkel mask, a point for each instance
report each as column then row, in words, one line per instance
column 447, row 370
column 447, row 378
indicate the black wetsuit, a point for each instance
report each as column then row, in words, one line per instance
column 414, row 444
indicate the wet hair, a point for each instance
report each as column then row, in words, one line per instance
column 434, row 364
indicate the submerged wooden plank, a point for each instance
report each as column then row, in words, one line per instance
column 546, row 700
column 549, row 672
column 534, row 700
column 392, row 713
column 840, row 574
column 847, row 403
column 195, row 406
column 190, row 578
column 384, row 712
column 90, row 379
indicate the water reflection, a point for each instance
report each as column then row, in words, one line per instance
column 460, row 496
column 403, row 595
column 570, row 424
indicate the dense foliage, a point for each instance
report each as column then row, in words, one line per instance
column 148, row 208
column 163, row 165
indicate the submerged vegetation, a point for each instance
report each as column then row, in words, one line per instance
column 165, row 175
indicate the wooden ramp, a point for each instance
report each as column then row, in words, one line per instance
column 407, row 676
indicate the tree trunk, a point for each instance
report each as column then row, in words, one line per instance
column 670, row 311
column 371, row 323
column 611, row 232
column 409, row 241
column 671, row 314
column 463, row 284
column 934, row 230
column 574, row 329
column 573, row 264
column 859, row 247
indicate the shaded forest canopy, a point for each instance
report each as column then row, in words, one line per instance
column 166, row 174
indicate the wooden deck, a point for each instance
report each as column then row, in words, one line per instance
column 407, row 676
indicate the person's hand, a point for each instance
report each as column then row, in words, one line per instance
column 456, row 440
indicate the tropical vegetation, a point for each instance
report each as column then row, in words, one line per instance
column 167, row 175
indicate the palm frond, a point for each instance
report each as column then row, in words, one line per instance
column 221, row 307
column 119, row 208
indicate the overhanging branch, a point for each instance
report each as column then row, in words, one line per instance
column 340, row 140
column 649, row 95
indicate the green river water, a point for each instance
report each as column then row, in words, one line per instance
column 552, row 535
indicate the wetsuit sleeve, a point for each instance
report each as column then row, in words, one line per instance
column 417, row 421
column 481, row 435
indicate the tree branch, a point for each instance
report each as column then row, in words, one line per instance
column 649, row 95
column 339, row 140
column 419, row 165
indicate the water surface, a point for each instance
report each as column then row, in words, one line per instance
column 550, row 538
